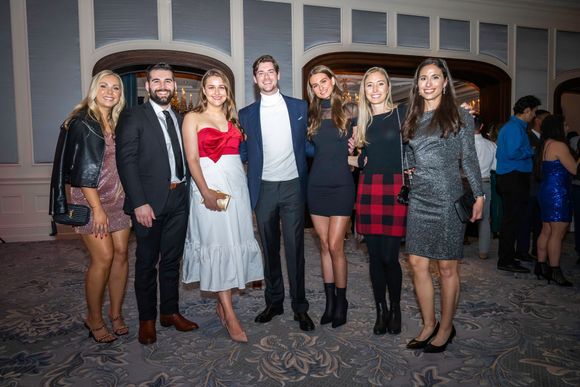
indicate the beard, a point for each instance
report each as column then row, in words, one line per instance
column 161, row 100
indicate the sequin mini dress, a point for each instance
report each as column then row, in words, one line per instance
column 110, row 192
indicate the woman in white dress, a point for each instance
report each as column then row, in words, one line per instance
column 221, row 252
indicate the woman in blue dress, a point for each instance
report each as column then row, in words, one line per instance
column 555, row 165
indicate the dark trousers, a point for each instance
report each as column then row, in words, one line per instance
column 514, row 189
column 282, row 202
column 384, row 267
column 576, row 204
column 161, row 245
column 532, row 222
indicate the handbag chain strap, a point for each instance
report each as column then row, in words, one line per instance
column 401, row 144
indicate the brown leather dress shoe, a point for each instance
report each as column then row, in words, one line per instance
column 178, row 321
column 147, row 334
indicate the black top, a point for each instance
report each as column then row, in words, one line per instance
column 383, row 150
column 330, row 166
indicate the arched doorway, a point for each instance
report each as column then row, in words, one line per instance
column 566, row 102
column 493, row 83
column 138, row 60
column 186, row 65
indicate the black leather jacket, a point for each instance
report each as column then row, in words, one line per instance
column 78, row 159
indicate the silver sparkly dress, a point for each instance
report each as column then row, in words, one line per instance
column 433, row 228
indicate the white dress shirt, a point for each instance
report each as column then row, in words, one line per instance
column 159, row 113
column 485, row 150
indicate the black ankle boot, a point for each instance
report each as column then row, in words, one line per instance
column 558, row 277
column 380, row 327
column 329, row 289
column 394, row 321
column 542, row 270
column 340, row 308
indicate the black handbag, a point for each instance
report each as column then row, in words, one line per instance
column 76, row 215
column 403, row 195
column 464, row 206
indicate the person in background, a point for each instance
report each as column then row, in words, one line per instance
column 87, row 160
column 486, row 157
column 330, row 193
column 380, row 217
column 555, row 165
column 575, row 150
column 439, row 135
column 514, row 166
column 221, row 252
column 532, row 222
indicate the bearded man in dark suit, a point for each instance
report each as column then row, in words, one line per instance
column 151, row 166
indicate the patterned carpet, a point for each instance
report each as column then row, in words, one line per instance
column 512, row 330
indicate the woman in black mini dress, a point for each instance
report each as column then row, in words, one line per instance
column 330, row 186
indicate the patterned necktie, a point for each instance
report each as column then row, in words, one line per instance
column 175, row 145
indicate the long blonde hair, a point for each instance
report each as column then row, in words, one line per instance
column 338, row 113
column 229, row 106
column 89, row 103
column 365, row 111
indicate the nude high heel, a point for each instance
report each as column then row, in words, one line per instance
column 240, row 337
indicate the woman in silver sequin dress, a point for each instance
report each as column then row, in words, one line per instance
column 90, row 168
column 440, row 136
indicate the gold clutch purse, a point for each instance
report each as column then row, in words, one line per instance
column 222, row 203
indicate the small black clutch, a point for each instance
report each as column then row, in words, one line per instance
column 464, row 206
column 403, row 195
column 77, row 215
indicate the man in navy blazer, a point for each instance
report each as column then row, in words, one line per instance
column 275, row 152
column 151, row 167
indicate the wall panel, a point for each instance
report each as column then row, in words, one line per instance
column 270, row 33
column 8, row 133
column 55, row 79
column 203, row 22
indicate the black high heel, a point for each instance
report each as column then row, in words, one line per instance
column 430, row 348
column 558, row 277
column 329, row 290
column 394, row 323
column 542, row 270
column 340, row 308
column 420, row 344
column 380, row 327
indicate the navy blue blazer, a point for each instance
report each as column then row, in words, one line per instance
column 252, row 151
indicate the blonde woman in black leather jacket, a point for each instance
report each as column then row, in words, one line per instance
column 85, row 161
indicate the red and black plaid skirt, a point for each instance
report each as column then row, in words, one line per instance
column 377, row 210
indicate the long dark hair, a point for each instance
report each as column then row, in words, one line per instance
column 446, row 116
column 338, row 113
column 552, row 129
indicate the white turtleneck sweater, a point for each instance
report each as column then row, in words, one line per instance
column 279, row 160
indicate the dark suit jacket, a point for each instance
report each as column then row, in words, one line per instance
column 142, row 159
column 534, row 141
column 252, row 149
